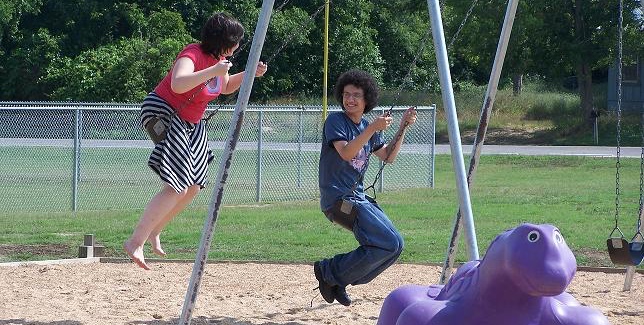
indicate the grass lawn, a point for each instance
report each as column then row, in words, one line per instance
column 577, row 194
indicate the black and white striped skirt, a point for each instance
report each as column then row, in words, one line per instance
column 182, row 159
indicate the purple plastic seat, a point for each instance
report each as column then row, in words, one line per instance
column 521, row 280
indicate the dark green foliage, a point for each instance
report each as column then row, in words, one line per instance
column 123, row 71
column 118, row 50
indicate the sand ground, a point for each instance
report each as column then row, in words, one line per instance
column 238, row 294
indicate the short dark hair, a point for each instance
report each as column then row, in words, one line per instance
column 220, row 33
column 360, row 79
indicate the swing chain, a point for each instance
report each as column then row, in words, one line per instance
column 410, row 70
column 619, row 109
column 288, row 40
column 282, row 5
column 422, row 47
column 278, row 9
column 407, row 77
column 458, row 30
column 641, row 202
column 362, row 172
column 384, row 163
column 248, row 41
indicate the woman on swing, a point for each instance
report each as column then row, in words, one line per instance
column 181, row 159
column 347, row 141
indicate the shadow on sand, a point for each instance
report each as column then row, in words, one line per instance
column 203, row 321
column 29, row 322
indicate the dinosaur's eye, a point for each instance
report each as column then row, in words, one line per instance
column 533, row 236
column 558, row 237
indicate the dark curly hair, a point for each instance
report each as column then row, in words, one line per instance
column 220, row 33
column 360, row 79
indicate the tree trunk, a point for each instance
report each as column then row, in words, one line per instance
column 583, row 67
column 517, row 83
column 585, row 81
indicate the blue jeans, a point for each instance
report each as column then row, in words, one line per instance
column 380, row 246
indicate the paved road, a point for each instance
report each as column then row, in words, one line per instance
column 630, row 152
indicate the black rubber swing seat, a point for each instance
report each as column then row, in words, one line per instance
column 636, row 250
column 619, row 251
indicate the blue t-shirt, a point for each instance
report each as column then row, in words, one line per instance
column 337, row 176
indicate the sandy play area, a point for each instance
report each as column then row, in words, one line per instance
column 237, row 294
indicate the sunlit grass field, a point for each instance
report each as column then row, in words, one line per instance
column 577, row 194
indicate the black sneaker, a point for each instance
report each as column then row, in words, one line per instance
column 341, row 295
column 326, row 290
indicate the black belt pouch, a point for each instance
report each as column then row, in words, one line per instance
column 343, row 213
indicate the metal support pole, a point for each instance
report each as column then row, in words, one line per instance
column 484, row 120
column 452, row 122
column 630, row 270
column 628, row 280
column 260, row 142
column 199, row 266
column 78, row 120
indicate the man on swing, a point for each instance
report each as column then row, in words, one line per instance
column 348, row 140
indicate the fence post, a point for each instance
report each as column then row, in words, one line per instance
column 299, row 146
column 381, row 181
column 76, row 169
column 595, row 116
column 260, row 122
column 432, row 155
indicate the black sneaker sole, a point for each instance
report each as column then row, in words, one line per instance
column 327, row 291
column 341, row 296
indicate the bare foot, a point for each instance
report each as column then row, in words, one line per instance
column 155, row 242
column 136, row 254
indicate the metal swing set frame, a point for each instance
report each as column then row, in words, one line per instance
column 236, row 124
column 464, row 217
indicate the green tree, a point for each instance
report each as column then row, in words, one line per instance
column 13, row 44
column 25, row 67
column 122, row 71
column 403, row 30
column 42, row 32
column 578, row 38
column 11, row 14
column 102, row 50
column 286, row 48
column 352, row 40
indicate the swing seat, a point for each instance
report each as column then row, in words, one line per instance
column 636, row 250
column 619, row 251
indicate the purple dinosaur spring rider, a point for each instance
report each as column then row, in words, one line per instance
column 520, row 281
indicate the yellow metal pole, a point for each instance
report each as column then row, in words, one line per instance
column 326, row 60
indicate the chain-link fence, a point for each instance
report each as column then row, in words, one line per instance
column 93, row 156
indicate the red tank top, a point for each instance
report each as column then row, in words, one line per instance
column 192, row 110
